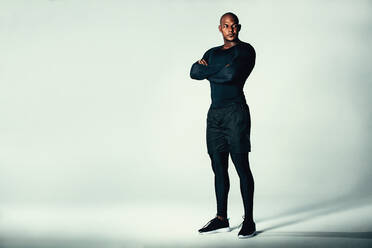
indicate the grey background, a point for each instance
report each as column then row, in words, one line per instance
column 97, row 106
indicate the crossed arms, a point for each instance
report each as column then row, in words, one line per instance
column 221, row 73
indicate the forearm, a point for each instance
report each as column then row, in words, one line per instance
column 227, row 74
column 200, row 72
column 232, row 71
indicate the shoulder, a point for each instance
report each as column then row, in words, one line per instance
column 246, row 48
column 210, row 51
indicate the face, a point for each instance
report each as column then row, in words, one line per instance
column 229, row 28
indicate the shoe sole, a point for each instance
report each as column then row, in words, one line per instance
column 221, row 230
column 246, row 236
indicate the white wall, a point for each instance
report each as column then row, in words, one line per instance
column 97, row 105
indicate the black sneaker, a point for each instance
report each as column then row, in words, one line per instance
column 215, row 225
column 248, row 229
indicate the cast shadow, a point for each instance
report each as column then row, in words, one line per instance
column 350, row 235
column 319, row 209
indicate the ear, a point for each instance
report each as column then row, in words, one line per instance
column 220, row 28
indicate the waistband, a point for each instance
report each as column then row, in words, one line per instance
column 228, row 105
column 225, row 103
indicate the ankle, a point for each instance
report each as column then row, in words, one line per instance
column 221, row 217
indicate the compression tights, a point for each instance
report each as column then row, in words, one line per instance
column 219, row 162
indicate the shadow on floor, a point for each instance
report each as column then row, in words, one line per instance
column 352, row 235
column 312, row 211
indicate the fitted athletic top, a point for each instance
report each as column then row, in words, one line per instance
column 227, row 71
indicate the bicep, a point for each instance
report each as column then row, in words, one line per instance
column 206, row 55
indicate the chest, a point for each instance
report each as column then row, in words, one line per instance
column 221, row 56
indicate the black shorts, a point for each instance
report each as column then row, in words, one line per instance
column 229, row 128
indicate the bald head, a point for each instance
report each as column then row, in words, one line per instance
column 229, row 27
column 230, row 14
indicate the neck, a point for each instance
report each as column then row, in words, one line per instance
column 228, row 44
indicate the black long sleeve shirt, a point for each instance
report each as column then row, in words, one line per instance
column 227, row 71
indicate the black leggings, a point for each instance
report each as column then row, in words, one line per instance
column 222, row 184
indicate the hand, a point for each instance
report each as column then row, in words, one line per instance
column 227, row 65
column 203, row 62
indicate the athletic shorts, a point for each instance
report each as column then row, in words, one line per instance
column 229, row 128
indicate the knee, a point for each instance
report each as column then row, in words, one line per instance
column 221, row 174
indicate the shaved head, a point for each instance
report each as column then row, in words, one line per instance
column 229, row 27
column 232, row 15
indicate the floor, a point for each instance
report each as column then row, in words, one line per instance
column 340, row 222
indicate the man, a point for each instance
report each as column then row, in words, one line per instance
column 228, row 121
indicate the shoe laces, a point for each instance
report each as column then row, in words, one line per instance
column 244, row 221
column 212, row 220
column 243, row 216
column 209, row 222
